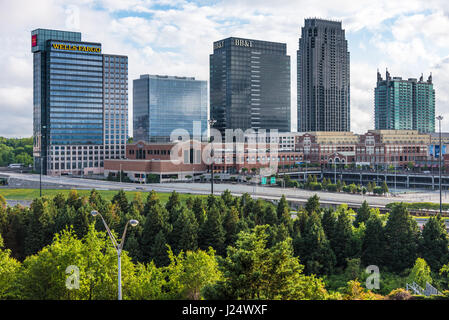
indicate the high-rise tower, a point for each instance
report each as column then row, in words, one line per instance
column 401, row 104
column 323, row 77
column 250, row 85
column 80, row 103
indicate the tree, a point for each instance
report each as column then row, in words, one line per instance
column 354, row 291
column 251, row 270
column 2, row 202
column 198, row 269
column 231, row 225
column 363, row 214
column 155, row 231
column 339, row 185
column 173, row 206
column 270, row 215
column 9, row 268
column 199, row 211
column 43, row 276
column 374, row 242
column 313, row 247
column 185, row 232
column 385, row 187
column 401, row 233
column 313, row 204
column 149, row 283
column 121, row 200
column 227, row 198
column 341, row 240
column 212, row 234
column 420, row 273
column 329, row 222
column 434, row 243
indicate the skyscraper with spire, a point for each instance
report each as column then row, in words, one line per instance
column 404, row 104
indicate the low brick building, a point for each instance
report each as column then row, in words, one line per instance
column 184, row 160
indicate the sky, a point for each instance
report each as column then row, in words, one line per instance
column 175, row 37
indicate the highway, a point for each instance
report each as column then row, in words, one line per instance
column 257, row 191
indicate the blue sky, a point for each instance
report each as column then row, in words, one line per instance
column 175, row 37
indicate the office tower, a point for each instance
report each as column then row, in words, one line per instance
column 404, row 104
column 323, row 77
column 162, row 104
column 115, row 71
column 250, row 85
column 76, row 88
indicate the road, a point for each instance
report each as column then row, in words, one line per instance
column 274, row 193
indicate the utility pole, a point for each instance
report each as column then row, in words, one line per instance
column 439, row 118
column 211, row 123
column 335, row 172
column 40, row 175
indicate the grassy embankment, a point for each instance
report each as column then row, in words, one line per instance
column 30, row 194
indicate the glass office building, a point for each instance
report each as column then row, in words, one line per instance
column 72, row 94
column 250, row 85
column 115, row 87
column 404, row 104
column 162, row 104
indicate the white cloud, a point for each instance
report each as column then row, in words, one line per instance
column 408, row 37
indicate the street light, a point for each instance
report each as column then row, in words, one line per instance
column 40, row 160
column 118, row 246
column 439, row 118
column 211, row 123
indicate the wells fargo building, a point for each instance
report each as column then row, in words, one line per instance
column 80, row 103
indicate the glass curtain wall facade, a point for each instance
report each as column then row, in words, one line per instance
column 323, row 79
column 115, row 106
column 404, row 104
column 250, row 85
column 41, row 115
column 69, row 110
column 162, row 104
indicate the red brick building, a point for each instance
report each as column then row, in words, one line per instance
column 392, row 147
column 187, row 159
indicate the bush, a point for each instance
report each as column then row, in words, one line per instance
column 378, row 190
column 315, row 186
column 332, row 187
column 399, row 294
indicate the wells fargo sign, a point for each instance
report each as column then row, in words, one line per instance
column 68, row 47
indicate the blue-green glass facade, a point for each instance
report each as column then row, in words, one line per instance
column 404, row 104
column 162, row 104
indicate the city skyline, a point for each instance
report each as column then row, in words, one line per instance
column 159, row 38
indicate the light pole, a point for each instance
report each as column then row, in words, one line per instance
column 211, row 123
column 118, row 247
column 40, row 160
column 439, row 118
column 335, row 172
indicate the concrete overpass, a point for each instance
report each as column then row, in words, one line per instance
column 295, row 196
